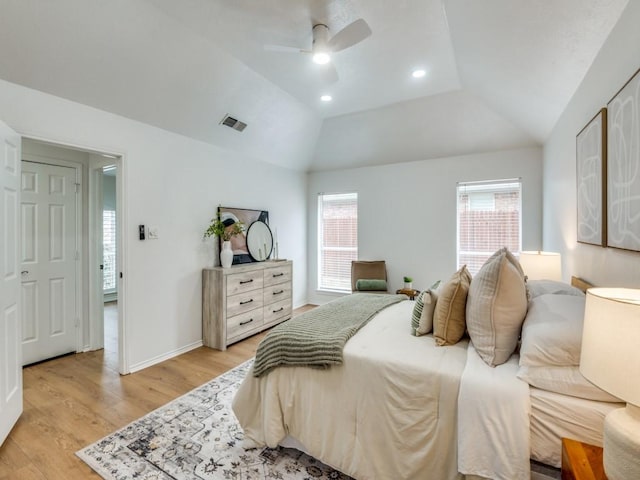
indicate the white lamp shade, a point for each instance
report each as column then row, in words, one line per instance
column 610, row 355
column 541, row 265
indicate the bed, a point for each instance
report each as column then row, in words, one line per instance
column 401, row 407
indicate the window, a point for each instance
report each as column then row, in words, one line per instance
column 489, row 218
column 337, row 240
column 109, row 250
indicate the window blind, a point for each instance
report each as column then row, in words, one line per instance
column 489, row 218
column 337, row 240
column 109, row 250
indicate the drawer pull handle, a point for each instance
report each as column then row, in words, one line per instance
column 246, row 301
column 242, row 282
column 247, row 322
column 279, row 310
column 278, row 292
column 276, row 275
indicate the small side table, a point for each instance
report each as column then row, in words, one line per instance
column 409, row 292
column 581, row 461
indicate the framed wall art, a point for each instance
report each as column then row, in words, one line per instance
column 229, row 216
column 623, row 167
column 591, row 172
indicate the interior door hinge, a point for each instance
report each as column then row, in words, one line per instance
column 77, row 187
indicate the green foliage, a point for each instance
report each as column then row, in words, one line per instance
column 218, row 229
column 408, row 279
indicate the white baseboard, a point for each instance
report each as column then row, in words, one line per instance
column 165, row 356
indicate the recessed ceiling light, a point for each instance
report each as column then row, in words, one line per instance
column 418, row 73
column 326, row 98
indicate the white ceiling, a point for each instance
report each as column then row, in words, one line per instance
column 500, row 72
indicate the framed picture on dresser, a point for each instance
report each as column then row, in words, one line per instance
column 231, row 215
column 623, row 167
column 591, row 171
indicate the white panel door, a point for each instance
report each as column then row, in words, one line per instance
column 10, row 351
column 48, row 255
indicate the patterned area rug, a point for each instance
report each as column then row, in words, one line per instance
column 197, row 437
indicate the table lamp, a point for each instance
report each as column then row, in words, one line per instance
column 610, row 358
column 541, row 265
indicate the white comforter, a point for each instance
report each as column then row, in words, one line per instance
column 389, row 412
column 493, row 420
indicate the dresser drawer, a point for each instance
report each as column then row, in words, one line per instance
column 275, row 275
column 243, row 302
column 277, row 311
column 275, row 293
column 244, row 322
column 244, row 282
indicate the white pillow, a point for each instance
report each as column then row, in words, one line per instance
column 552, row 331
column 541, row 287
column 564, row 380
column 496, row 307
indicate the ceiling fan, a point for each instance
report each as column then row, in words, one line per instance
column 324, row 46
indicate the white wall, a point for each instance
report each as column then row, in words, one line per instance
column 407, row 212
column 174, row 183
column 616, row 62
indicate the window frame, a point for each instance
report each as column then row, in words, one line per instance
column 321, row 248
column 487, row 186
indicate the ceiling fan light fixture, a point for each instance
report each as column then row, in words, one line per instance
column 418, row 73
column 321, row 58
column 326, row 98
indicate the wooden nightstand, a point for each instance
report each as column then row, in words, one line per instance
column 581, row 461
column 409, row 292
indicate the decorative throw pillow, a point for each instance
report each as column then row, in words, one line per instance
column 449, row 314
column 552, row 331
column 564, row 380
column 417, row 312
column 371, row 284
column 422, row 318
column 496, row 307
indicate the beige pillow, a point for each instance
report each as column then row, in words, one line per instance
column 449, row 314
column 496, row 307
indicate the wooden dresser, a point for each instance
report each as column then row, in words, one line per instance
column 243, row 300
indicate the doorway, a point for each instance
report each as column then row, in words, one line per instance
column 108, row 265
column 97, row 249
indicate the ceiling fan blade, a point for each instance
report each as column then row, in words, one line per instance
column 353, row 33
column 328, row 73
column 285, row 49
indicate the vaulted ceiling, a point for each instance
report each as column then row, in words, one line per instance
column 499, row 72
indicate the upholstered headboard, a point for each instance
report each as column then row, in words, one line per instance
column 580, row 283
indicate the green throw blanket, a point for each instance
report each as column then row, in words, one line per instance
column 317, row 337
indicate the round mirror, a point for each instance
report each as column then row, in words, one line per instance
column 259, row 241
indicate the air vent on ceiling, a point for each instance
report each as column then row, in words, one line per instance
column 234, row 123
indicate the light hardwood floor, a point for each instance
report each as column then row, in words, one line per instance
column 75, row 400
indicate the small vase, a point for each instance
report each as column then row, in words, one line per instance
column 408, row 285
column 226, row 255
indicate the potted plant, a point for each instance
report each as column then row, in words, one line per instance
column 218, row 229
column 408, row 283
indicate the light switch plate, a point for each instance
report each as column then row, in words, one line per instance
column 153, row 233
